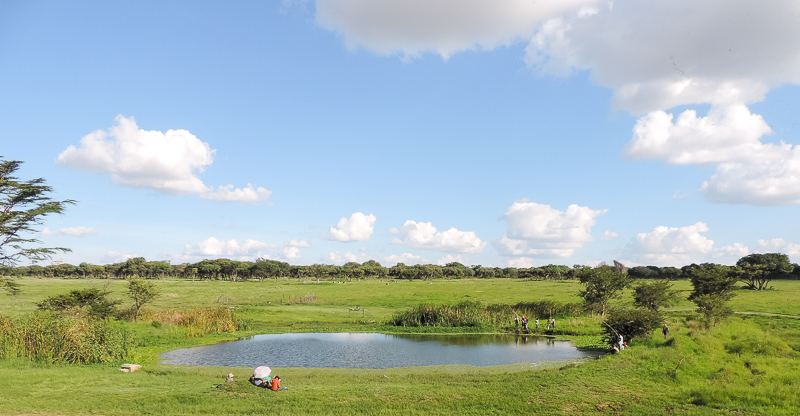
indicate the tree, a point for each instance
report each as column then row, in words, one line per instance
column 757, row 270
column 23, row 206
column 630, row 323
column 601, row 285
column 141, row 292
column 90, row 301
column 654, row 295
column 712, row 286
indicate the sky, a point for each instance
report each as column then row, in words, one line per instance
column 501, row 133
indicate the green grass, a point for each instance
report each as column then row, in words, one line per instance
column 749, row 365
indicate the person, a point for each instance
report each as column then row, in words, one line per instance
column 548, row 324
column 260, row 382
column 537, row 323
column 229, row 378
column 665, row 331
column 516, row 321
column 525, row 322
column 620, row 342
column 275, row 384
column 553, row 324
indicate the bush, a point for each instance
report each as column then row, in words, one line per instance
column 631, row 323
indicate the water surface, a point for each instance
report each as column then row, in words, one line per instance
column 374, row 350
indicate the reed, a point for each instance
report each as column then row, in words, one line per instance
column 475, row 314
column 198, row 321
column 49, row 338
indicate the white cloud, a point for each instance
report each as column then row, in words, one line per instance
column 734, row 251
column 610, row 235
column 411, row 27
column 290, row 253
column 227, row 193
column 336, row 258
column 653, row 56
column 779, row 245
column 450, row 259
column 73, row 231
column 423, row 235
column 211, row 247
column 669, row 246
column 298, row 243
column 542, row 231
column 406, row 258
column 118, row 257
column 358, row 227
column 521, row 262
column 165, row 162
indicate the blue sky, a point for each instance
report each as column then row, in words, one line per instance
column 497, row 133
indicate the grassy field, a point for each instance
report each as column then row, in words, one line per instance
column 749, row 365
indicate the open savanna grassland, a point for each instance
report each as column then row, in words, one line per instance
column 748, row 365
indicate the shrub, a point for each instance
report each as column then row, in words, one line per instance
column 631, row 323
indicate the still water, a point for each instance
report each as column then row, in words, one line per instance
column 373, row 350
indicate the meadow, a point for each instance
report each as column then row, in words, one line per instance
column 747, row 365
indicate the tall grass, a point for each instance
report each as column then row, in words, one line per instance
column 45, row 337
column 198, row 321
column 475, row 314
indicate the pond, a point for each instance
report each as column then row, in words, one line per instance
column 374, row 350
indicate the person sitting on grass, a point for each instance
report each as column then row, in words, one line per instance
column 275, row 384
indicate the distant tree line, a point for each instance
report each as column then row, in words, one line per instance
column 755, row 270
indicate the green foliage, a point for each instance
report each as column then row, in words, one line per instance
column 601, row 285
column 711, row 279
column 713, row 307
column 50, row 338
column 10, row 286
column 757, row 270
column 654, row 295
column 198, row 321
column 630, row 323
column 141, row 292
column 23, row 206
column 90, row 302
column 466, row 314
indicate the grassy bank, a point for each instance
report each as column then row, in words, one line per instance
column 748, row 365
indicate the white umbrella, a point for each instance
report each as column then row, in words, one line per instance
column 262, row 372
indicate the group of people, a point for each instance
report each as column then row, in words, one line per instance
column 551, row 323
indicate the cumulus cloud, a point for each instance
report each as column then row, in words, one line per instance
column 211, row 247
column 521, row 262
column 118, row 257
column 411, row 27
column 290, row 253
column 669, row 246
column 779, row 245
column 450, row 259
column 298, row 243
column 423, row 235
column 734, row 251
column 337, row 258
column 73, row 231
column 610, row 235
column 165, row 162
column 542, row 231
column 358, row 227
column 652, row 55
column 406, row 258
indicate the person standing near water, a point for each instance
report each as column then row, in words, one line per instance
column 537, row 323
column 553, row 324
column 665, row 331
column 516, row 321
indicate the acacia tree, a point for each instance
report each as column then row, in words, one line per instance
column 712, row 287
column 757, row 270
column 654, row 295
column 23, row 206
column 602, row 284
column 141, row 292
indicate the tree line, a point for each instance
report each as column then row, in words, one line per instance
column 755, row 270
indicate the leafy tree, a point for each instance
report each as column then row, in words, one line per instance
column 757, row 270
column 602, row 284
column 91, row 301
column 654, row 295
column 23, row 206
column 713, row 307
column 141, row 292
column 631, row 323
column 712, row 287
column 10, row 285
